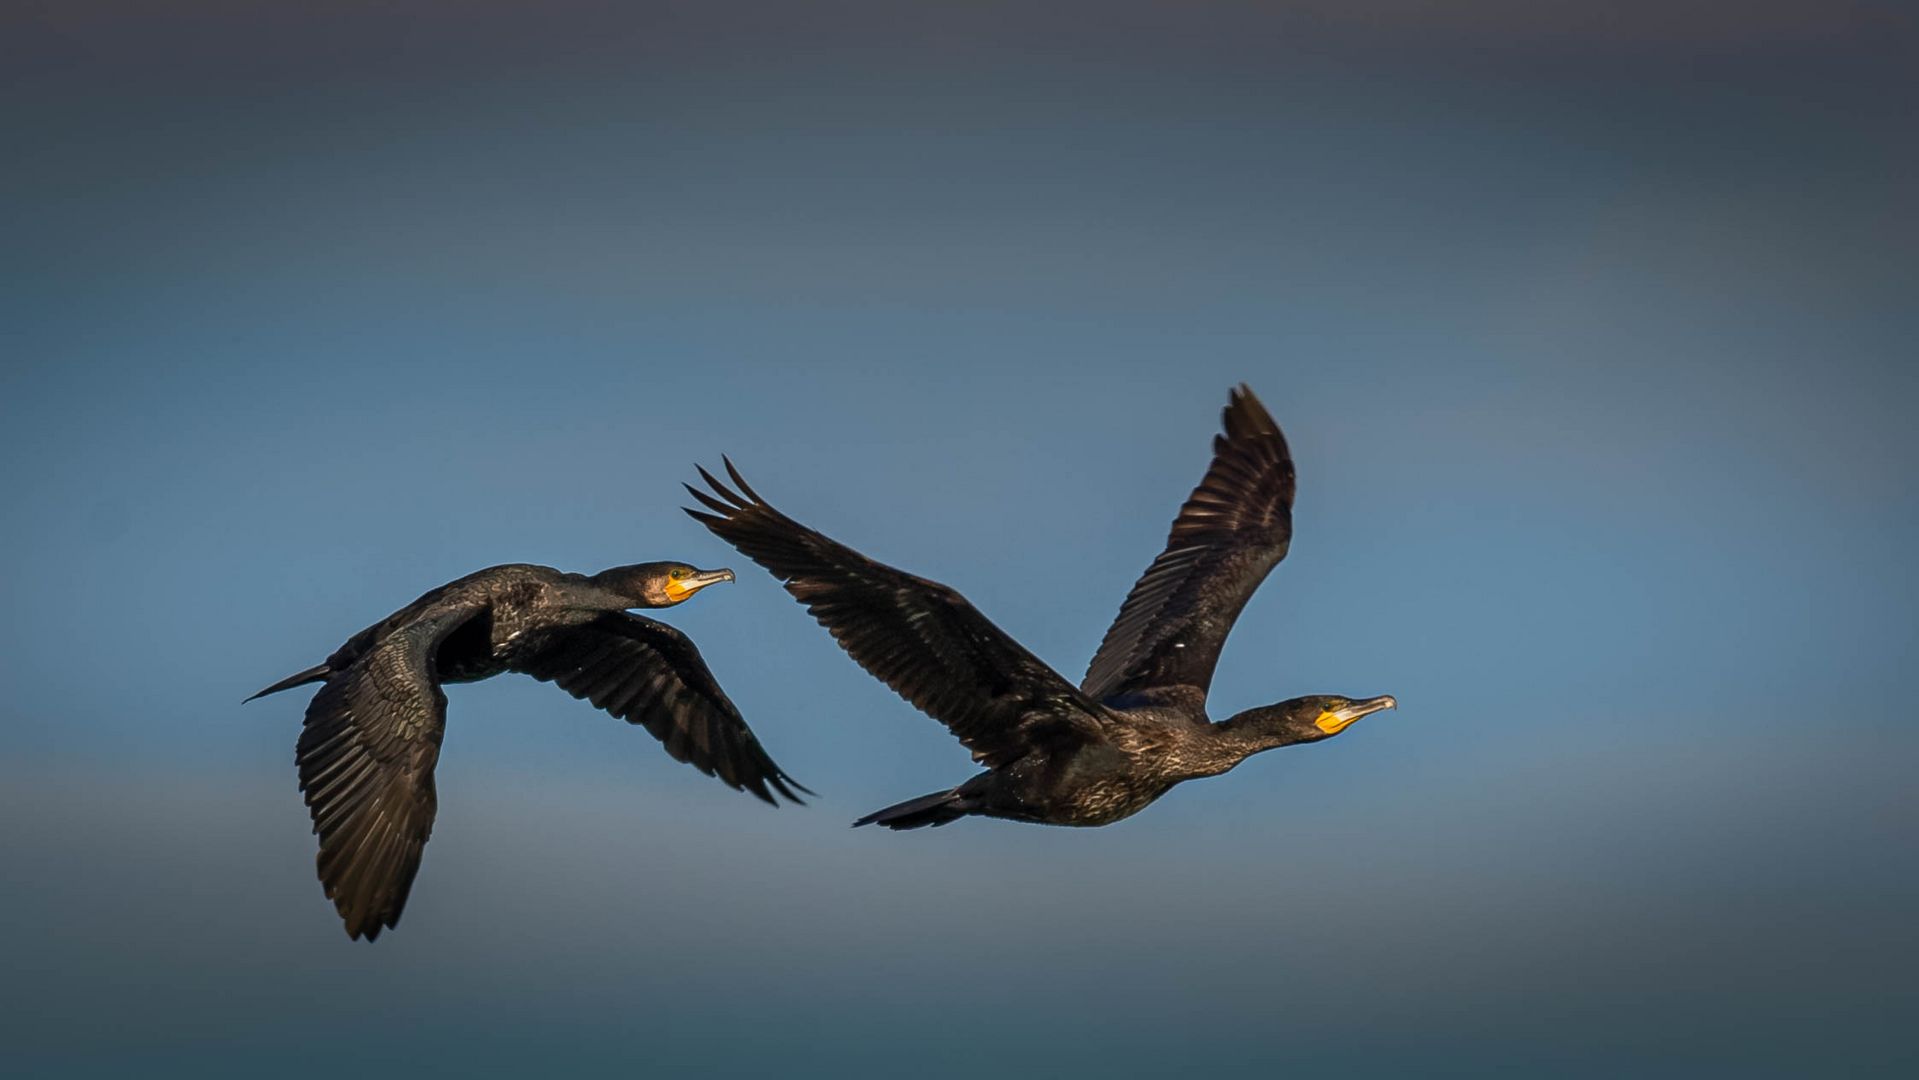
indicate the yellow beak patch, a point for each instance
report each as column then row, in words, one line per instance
column 1332, row 724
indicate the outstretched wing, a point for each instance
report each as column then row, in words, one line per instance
column 917, row 636
column 1230, row 534
column 366, row 757
column 650, row 674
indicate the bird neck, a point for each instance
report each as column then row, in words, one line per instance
column 626, row 586
column 1254, row 730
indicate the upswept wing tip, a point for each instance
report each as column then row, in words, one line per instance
column 1232, row 530
column 708, row 501
column 744, row 498
column 746, row 489
column 1246, row 415
column 920, row 638
column 709, row 478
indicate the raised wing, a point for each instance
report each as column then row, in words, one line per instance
column 650, row 674
column 1230, row 534
column 366, row 757
column 917, row 636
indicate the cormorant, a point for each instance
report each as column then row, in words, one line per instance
column 1057, row 754
column 372, row 733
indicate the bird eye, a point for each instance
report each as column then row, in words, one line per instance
column 676, row 573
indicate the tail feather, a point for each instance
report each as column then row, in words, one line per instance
column 935, row 809
column 310, row 675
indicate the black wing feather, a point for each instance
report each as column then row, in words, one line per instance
column 1228, row 536
column 366, row 756
column 650, row 674
column 917, row 636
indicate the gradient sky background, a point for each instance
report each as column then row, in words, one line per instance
column 1591, row 327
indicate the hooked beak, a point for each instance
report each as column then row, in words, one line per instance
column 678, row 591
column 1334, row 721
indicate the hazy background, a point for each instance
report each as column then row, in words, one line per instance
column 1591, row 327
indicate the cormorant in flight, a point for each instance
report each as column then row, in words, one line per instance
column 373, row 732
column 1055, row 753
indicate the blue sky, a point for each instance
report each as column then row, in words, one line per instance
column 1592, row 342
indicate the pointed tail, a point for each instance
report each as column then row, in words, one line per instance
column 935, row 809
column 312, row 674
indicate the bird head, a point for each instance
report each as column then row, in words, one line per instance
column 1320, row 716
column 659, row 584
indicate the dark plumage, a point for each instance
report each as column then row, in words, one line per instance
column 373, row 732
column 1055, row 753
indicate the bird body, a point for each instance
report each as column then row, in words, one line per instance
column 1136, row 726
column 372, row 734
column 502, row 604
column 1144, row 751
